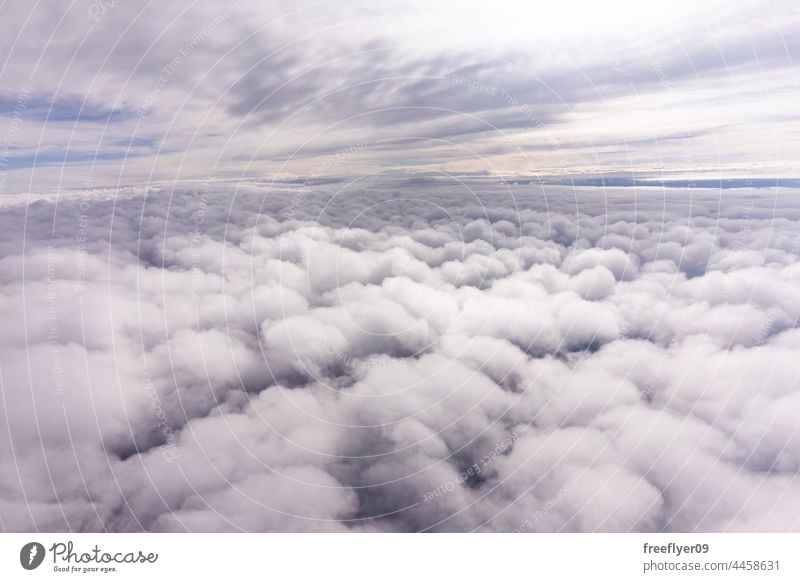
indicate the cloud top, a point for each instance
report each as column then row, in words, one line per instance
column 402, row 358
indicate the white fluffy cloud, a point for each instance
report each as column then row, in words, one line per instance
column 286, row 361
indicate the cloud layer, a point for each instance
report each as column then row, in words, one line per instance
column 398, row 356
column 101, row 92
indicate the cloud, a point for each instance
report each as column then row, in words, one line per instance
column 253, row 90
column 285, row 359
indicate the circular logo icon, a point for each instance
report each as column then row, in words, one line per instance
column 31, row 555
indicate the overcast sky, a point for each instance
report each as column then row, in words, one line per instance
column 105, row 92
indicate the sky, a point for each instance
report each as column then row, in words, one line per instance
column 109, row 93
column 399, row 266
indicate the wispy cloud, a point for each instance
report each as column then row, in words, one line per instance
column 272, row 90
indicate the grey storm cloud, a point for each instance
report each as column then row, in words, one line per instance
column 400, row 356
